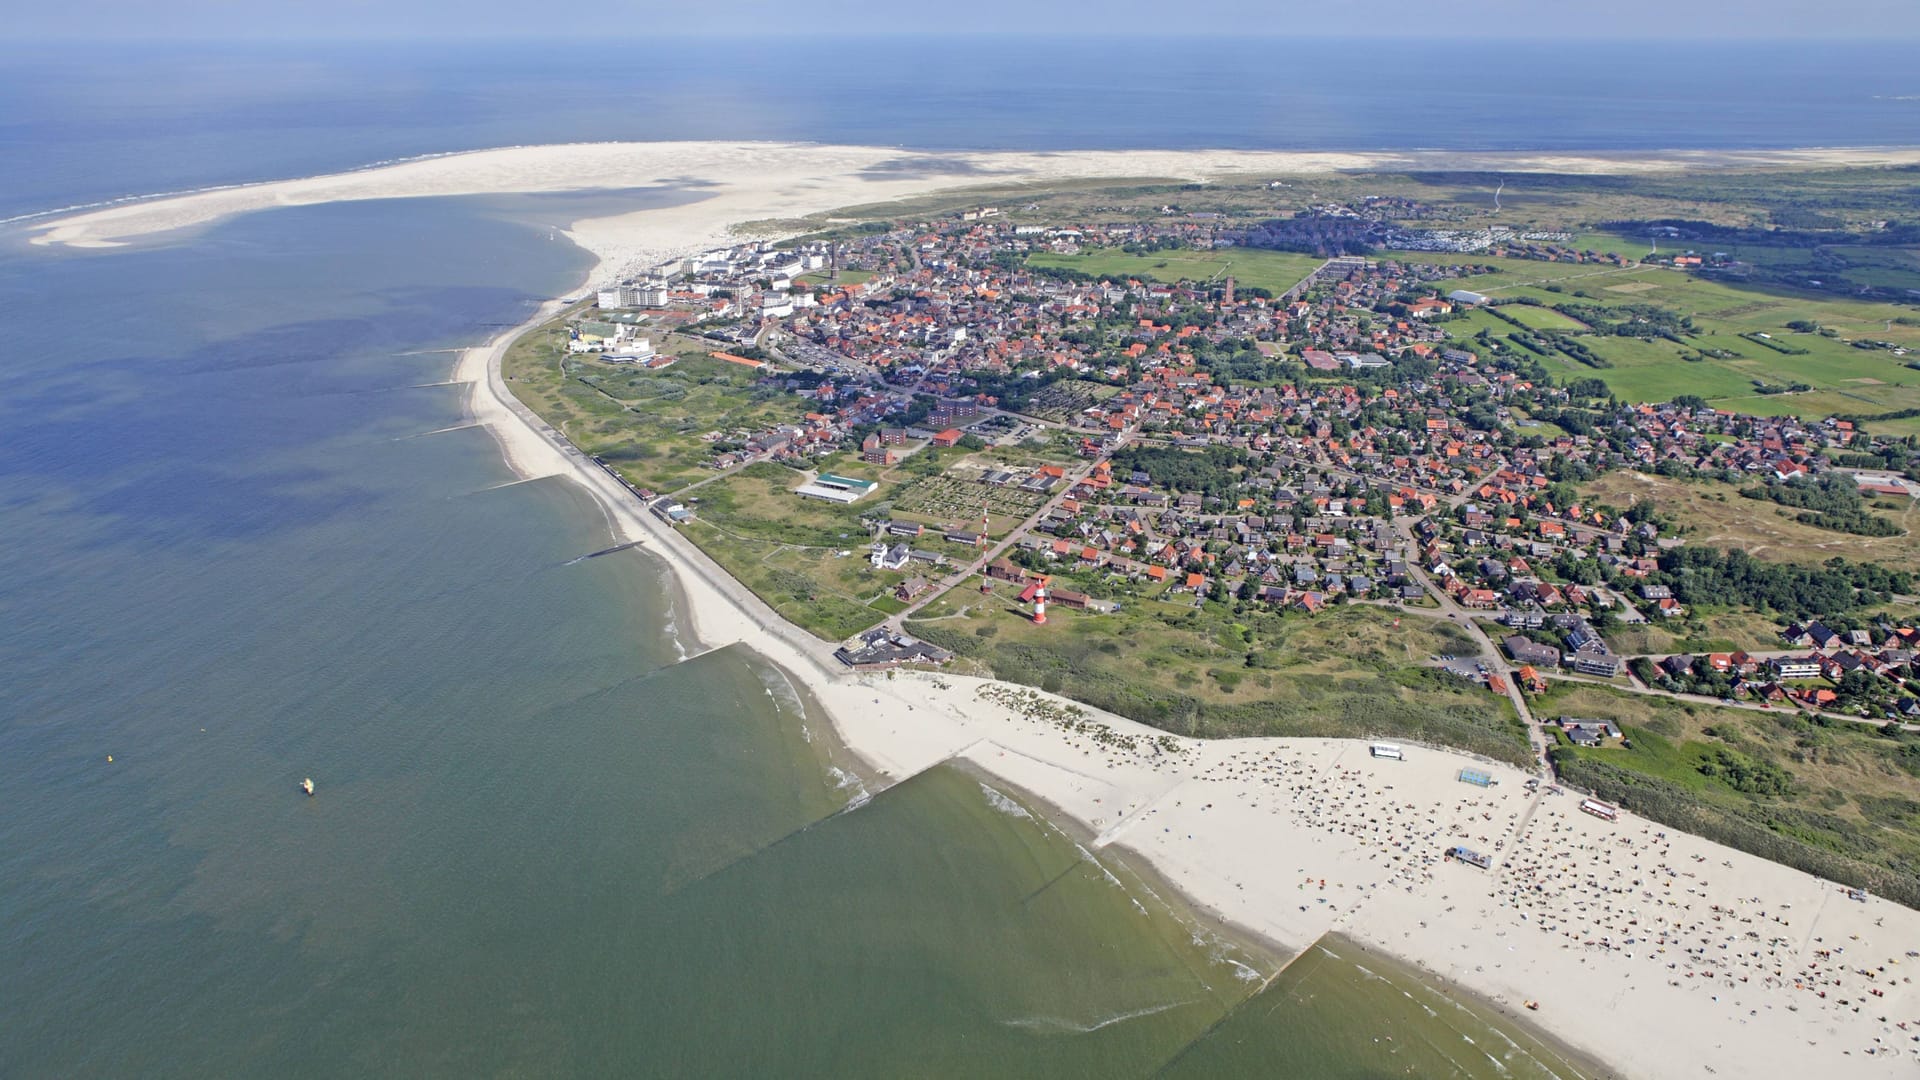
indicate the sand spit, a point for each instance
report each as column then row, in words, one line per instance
column 1655, row 951
column 753, row 181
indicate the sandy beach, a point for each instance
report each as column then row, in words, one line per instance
column 1657, row 952
column 761, row 181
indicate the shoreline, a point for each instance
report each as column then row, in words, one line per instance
column 1276, row 956
column 745, row 181
column 1283, row 840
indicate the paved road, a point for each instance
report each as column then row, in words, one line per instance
column 614, row 494
column 1701, row 699
column 1490, row 653
column 1013, row 537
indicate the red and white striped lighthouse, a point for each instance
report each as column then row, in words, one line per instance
column 1040, row 604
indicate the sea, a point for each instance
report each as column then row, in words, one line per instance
column 248, row 535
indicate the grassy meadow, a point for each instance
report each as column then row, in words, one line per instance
column 805, row 557
column 652, row 426
column 1226, row 669
column 1725, row 360
column 1713, row 514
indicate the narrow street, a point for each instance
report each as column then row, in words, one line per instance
column 1013, row 537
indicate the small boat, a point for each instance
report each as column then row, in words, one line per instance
column 307, row 785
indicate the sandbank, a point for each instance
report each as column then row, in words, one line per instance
column 756, row 181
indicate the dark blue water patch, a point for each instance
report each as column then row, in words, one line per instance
column 106, row 121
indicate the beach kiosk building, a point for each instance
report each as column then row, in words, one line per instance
column 1387, row 750
column 1603, row 811
column 1471, row 857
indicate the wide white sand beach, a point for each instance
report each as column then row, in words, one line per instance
column 1657, row 952
column 756, row 181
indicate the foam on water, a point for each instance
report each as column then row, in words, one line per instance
column 999, row 801
column 1102, row 867
column 670, row 629
column 781, row 689
column 1057, row 1025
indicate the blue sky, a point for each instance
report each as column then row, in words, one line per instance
column 1650, row 20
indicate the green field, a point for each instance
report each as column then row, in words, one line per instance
column 847, row 277
column 1699, row 631
column 1228, row 670
column 650, row 425
column 1540, row 318
column 806, row 558
column 1842, row 377
column 1275, row 271
column 1712, row 514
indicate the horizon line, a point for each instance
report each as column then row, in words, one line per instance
column 93, row 37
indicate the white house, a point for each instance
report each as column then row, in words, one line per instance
column 888, row 558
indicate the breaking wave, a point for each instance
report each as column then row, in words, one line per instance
column 999, row 801
column 1056, row 1025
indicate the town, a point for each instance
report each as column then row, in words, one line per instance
column 937, row 432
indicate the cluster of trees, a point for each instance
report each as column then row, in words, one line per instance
column 1732, row 577
column 1745, row 774
column 1012, row 388
column 1829, row 502
column 1315, row 234
column 1213, row 471
column 1573, row 421
column 1577, row 349
column 1860, row 690
column 1780, row 347
column 1629, row 320
column 1891, row 414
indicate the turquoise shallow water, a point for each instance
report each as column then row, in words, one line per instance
column 248, row 540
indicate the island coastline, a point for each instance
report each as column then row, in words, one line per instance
column 898, row 725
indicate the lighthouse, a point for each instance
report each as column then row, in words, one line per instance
column 1040, row 604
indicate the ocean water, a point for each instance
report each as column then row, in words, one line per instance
column 249, row 538
column 99, row 121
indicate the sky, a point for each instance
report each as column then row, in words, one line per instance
column 1615, row 20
